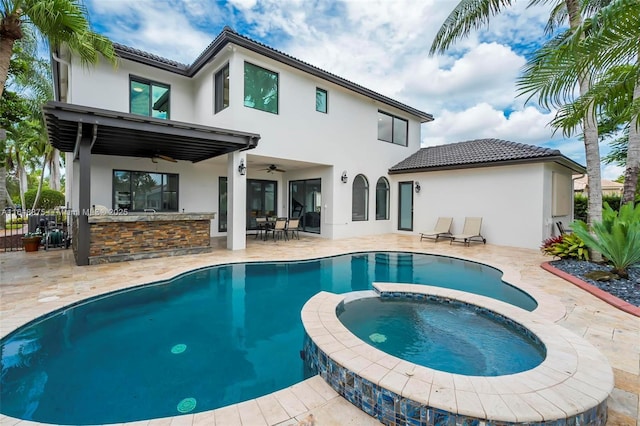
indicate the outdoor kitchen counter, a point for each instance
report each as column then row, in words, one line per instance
column 150, row 217
column 122, row 237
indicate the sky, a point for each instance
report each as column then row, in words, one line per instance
column 380, row 44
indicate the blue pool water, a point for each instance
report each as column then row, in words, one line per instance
column 449, row 337
column 206, row 339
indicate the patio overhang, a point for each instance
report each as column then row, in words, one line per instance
column 123, row 134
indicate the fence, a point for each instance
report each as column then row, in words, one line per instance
column 53, row 226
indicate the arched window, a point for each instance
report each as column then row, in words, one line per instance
column 382, row 199
column 360, row 201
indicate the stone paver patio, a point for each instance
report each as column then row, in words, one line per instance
column 32, row 284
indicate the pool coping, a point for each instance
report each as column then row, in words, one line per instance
column 574, row 380
column 601, row 294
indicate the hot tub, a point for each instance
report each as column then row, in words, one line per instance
column 570, row 385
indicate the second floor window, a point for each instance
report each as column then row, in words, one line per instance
column 392, row 129
column 321, row 100
column 222, row 89
column 260, row 88
column 149, row 98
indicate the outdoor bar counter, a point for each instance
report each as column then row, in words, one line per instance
column 137, row 235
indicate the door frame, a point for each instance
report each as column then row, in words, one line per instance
column 400, row 185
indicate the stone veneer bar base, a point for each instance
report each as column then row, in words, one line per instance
column 118, row 238
column 570, row 387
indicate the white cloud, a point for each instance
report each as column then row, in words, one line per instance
column 382, row 45
column 484, row 121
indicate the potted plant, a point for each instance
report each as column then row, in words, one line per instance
column 31, row 241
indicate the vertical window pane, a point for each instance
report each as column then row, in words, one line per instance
column 260, row 88
column 139, row 98
column 160, row 101
column 405, row 209
column 222, row 89
column 399, row 131
column 321, row 100
column 170, row 193
column 222, row 204
column 385, row 126
column 147, row 191
column 382, row 199
column 360, row 199
column 122, row 190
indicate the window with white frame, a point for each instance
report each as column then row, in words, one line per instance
column 360, row 199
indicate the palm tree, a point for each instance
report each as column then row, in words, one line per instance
column 469, row 15
column 58, row 21
column 606, row 49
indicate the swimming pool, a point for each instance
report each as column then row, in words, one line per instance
column 206, row 339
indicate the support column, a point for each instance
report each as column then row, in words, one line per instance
column 236, row 202
column 84, row 203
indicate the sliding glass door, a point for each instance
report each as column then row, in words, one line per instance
column 305, row 202
column 262, row 196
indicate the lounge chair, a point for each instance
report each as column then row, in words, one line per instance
column 470, row 231
column 442, row 229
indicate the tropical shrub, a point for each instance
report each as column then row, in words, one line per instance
column 581, row 204
column 565, row 246
column 49, row 199
column 617, row 237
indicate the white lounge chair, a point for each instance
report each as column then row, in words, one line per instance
column 442, row 229
column 470, row 231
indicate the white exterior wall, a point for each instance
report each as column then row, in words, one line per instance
column 510, row 199
column 344, row 139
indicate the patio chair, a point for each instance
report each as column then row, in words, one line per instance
column 280, row 228
column 442, row 229
column 470, row 231
column 293, row 226
column 261, row 226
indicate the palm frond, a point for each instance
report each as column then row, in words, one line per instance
column 468, row 15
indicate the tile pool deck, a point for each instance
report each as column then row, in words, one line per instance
column 32, row 284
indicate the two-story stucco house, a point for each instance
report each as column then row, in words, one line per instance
column 247, row 131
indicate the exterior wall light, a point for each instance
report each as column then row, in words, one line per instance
column 242, row 169
column 344, row 177
column 417, row 187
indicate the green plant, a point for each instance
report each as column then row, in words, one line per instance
column 617, row 237
column 565, row 246
column 49, row 199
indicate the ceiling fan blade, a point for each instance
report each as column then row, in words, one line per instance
column 166, row 158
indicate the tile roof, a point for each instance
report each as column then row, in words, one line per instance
column 227, row 36
column 476, row 153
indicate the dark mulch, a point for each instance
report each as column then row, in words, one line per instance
column 627, row 290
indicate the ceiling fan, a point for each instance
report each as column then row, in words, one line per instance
column 273, row 168
column 163, row 157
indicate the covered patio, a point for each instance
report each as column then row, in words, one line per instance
column 85, row 131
